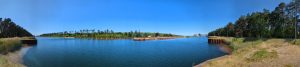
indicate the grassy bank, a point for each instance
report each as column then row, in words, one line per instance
column 9, row 45
column 8, row 51
column 253, row 52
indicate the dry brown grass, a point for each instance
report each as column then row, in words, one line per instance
column 259, row 53
column 10, row 60
column 12, row 44
column 9, row 57
column 9, row 44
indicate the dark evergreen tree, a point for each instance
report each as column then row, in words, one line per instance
column 10, row 29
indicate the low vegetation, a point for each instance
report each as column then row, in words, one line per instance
column 9, row 45
column 238, row 43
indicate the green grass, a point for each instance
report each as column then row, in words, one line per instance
column 262, row 54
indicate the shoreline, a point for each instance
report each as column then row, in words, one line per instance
column 223, row 46
column 11, row 51
column 210, row 60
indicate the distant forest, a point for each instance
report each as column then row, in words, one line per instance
column 9, row 29
column 106, row 34
column 283, row 22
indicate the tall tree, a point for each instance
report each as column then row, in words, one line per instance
column 229, row 29
column 240, row 26
column 10, row 29
column 277, row 20
column 293, row 11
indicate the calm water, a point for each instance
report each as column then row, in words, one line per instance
column 61, row 52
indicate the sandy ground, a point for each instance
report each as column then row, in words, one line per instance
column 12, row 59
column 288, row 55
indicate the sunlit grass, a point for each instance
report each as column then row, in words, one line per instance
column 9, row 44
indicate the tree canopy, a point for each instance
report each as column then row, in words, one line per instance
column 282, row 22
column 9, row 29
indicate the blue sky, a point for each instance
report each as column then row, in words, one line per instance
column 183, row 17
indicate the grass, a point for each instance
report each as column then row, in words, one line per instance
column 242, row 44
column 9, row 45
column 262, row 54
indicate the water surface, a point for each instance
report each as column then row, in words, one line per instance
column 66, row 52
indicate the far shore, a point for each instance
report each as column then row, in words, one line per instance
column 134, row 38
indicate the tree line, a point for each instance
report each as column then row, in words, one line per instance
column 9, row 29
column 282, row 22
column 106, row 34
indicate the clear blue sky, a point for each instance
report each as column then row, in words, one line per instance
column 183, row 17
